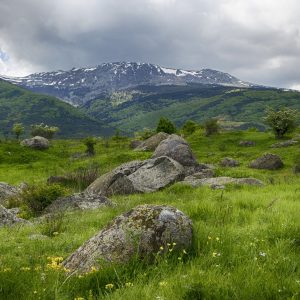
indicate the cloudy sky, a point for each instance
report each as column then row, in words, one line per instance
column 255, row 40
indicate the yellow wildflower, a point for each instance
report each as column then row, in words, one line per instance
column 217, row 238
column 161, row 248
column 128, row 284
column 109, row 286
column 163, row 283
column 25, row 269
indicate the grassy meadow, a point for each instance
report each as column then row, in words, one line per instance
column 246, row 239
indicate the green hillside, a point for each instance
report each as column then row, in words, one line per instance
column 20, row 105
column 144, row 106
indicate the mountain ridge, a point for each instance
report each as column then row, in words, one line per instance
column 79, row 85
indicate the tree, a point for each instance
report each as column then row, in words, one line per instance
column 211, row 127
column 18, row 129
column 189, row 127
column 44, row 130
column 165, row 125
column 90, row 143
column 281, row 121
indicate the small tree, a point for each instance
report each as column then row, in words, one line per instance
column 211, row 127
column 165, row 125
column 18, row 129
column 189, row 127
column 90, row 143
column 44, row 130
column 281, row 121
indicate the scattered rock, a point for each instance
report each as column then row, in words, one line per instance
column 141, row 231
column 7, row 218
column 7, row 191
column 147, row 176
column 229, row 162
column 135, row 143
column 247, row 143
column 267, row 161
column 218, row 182
column 80, row 201
column 176, row 148
column 151, row 143
column 37, row 142
column 284, row 144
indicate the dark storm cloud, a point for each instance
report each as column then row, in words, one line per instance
column 258, row 41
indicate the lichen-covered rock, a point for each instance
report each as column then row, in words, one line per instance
column 267, row 161
column 221, row 181
column 37, row 142
column 141, row 231
column 80, row 201
column 151, row 143
column 284, row 144
column 135, row 143
column 156, row 174
column 6, row 191
column 138, row 177
column 176, row 148
column 8, row 218
column 229, row 162
column 247, row 143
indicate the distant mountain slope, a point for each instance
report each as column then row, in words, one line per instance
column 135, row 109
column 20, row 105
column 78, row 86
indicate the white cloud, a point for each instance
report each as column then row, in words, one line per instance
column 257, row 40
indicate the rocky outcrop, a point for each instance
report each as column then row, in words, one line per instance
column 80, row 201
column 8, row 218
column 247, row 143
column 229, row 162
column 144, row 232
column 176, row 148
column 284, row 144
column 37, row 142
column 267, row 161
column 221, row 181
column 134, row 177
column 7, row 191
column 151, row 143
column 135, row 143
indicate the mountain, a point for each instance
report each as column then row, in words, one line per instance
column 79, row 85
column 20, row 105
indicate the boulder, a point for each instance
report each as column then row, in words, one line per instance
column 135, row 143
column 7, row 191
column 80, row 201
column 247, row 143
column 144, row 231
column 229, row 162
column 138, row 177
column 176, row 148
column 37, row 142
column 221, row 181
column 8, row 218
column 151, row 143
column 267, row 161
column 284, row 144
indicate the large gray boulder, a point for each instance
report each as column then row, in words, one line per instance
column 8, row 218
column 176, row 148
column 284, row 144
column 267, row 161
column 221, row 181
column 37, row 142
column 151, row 143
column 138, row 177
column 79, row 201
column 229, row 162
column 6, row 191
column 140, row 232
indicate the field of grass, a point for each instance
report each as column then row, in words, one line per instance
column 246, row 239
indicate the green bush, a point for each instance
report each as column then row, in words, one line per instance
column 211, row 127
column 165, row 125
column 38, row 197
column 189, row 127
column 90, row 143
column 43, row 130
